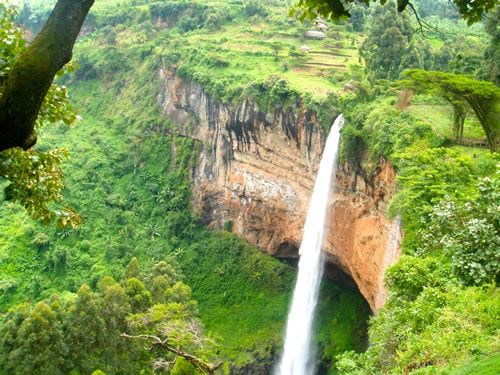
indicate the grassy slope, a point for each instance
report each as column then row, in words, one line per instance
column 249, row 51
column 439, row 115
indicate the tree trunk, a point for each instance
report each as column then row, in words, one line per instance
column 33, row 73
column 489, row 128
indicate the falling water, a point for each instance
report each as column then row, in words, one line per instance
column 296, row 356
column 392, row 251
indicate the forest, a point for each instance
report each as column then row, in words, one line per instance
column 107, row 264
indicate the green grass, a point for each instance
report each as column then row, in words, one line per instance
column 250, row 53
column 480, row 366
column 440, row 117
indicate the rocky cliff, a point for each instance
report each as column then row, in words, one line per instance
column 256, row 172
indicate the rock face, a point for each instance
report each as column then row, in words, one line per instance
column 257, row 170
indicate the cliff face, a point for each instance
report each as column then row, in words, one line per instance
column 257, row 170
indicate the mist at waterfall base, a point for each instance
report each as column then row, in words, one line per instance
column 296, row 358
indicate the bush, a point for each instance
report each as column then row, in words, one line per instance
column 228, row 226
column 468, row 231
column 41, row 241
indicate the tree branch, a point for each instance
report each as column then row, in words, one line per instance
column 33, row 73
column 202, row 366
column 422, row 25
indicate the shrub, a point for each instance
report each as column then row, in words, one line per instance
column 228, row 226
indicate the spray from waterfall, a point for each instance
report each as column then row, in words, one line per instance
column 296, row 359
column 392, row 251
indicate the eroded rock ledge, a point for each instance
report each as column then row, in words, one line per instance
column 257, row 170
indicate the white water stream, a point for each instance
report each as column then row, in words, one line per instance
column 296, row 359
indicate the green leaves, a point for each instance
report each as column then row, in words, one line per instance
column 81, row 332
column 334, row 9
column 274, row 90
column 35, row 180
column 426, row 176
column 12, row 44
column 483, row 97
column 471, row 10
column 468, row 232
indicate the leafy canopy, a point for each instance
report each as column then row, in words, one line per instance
column 483, row 97
column 471, row 10
column 34, row 178
column 468, row 231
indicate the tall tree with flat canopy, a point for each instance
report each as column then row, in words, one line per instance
column 483, row 97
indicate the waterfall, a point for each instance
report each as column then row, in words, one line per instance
column 296, row 359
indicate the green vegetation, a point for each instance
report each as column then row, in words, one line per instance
column 440, row 314
column 470, row 10
column 463, row 92
column 82, row 332
column 242, row 294
column 34, row 177
column 443, row 299
column 391, row 46
column 132, row 189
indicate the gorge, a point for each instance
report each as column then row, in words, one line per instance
column 242, row 177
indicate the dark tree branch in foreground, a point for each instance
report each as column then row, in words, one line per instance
column 422, row 25
column 33, row 73
column 201, row 365
column 471, row 10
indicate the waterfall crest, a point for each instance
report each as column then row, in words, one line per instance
column 296, row 359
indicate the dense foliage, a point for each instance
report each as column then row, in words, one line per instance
column 34, row 177
column 81, row 333
column 129, row 178
column 391, row 45
column 442, row 293
column 132, row 188
column 471, row 10
column 483, row 97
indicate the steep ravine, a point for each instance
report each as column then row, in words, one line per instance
column 257, row 171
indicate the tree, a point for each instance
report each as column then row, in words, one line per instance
column 358, row 17
column 175, row 331
column 471, row 10
column 276, row 47
column 86, row 330
column 116, row 309
column 30, row 78
column 390, row 46
column 460, row 111
column 466, row 57
column 468, row 231
column 483, row 97
column 39, row 345
column 159, row 285
column 491, row 61
column 139, row 296
column 35, row 177
column 133, row 270
column 426, row 177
